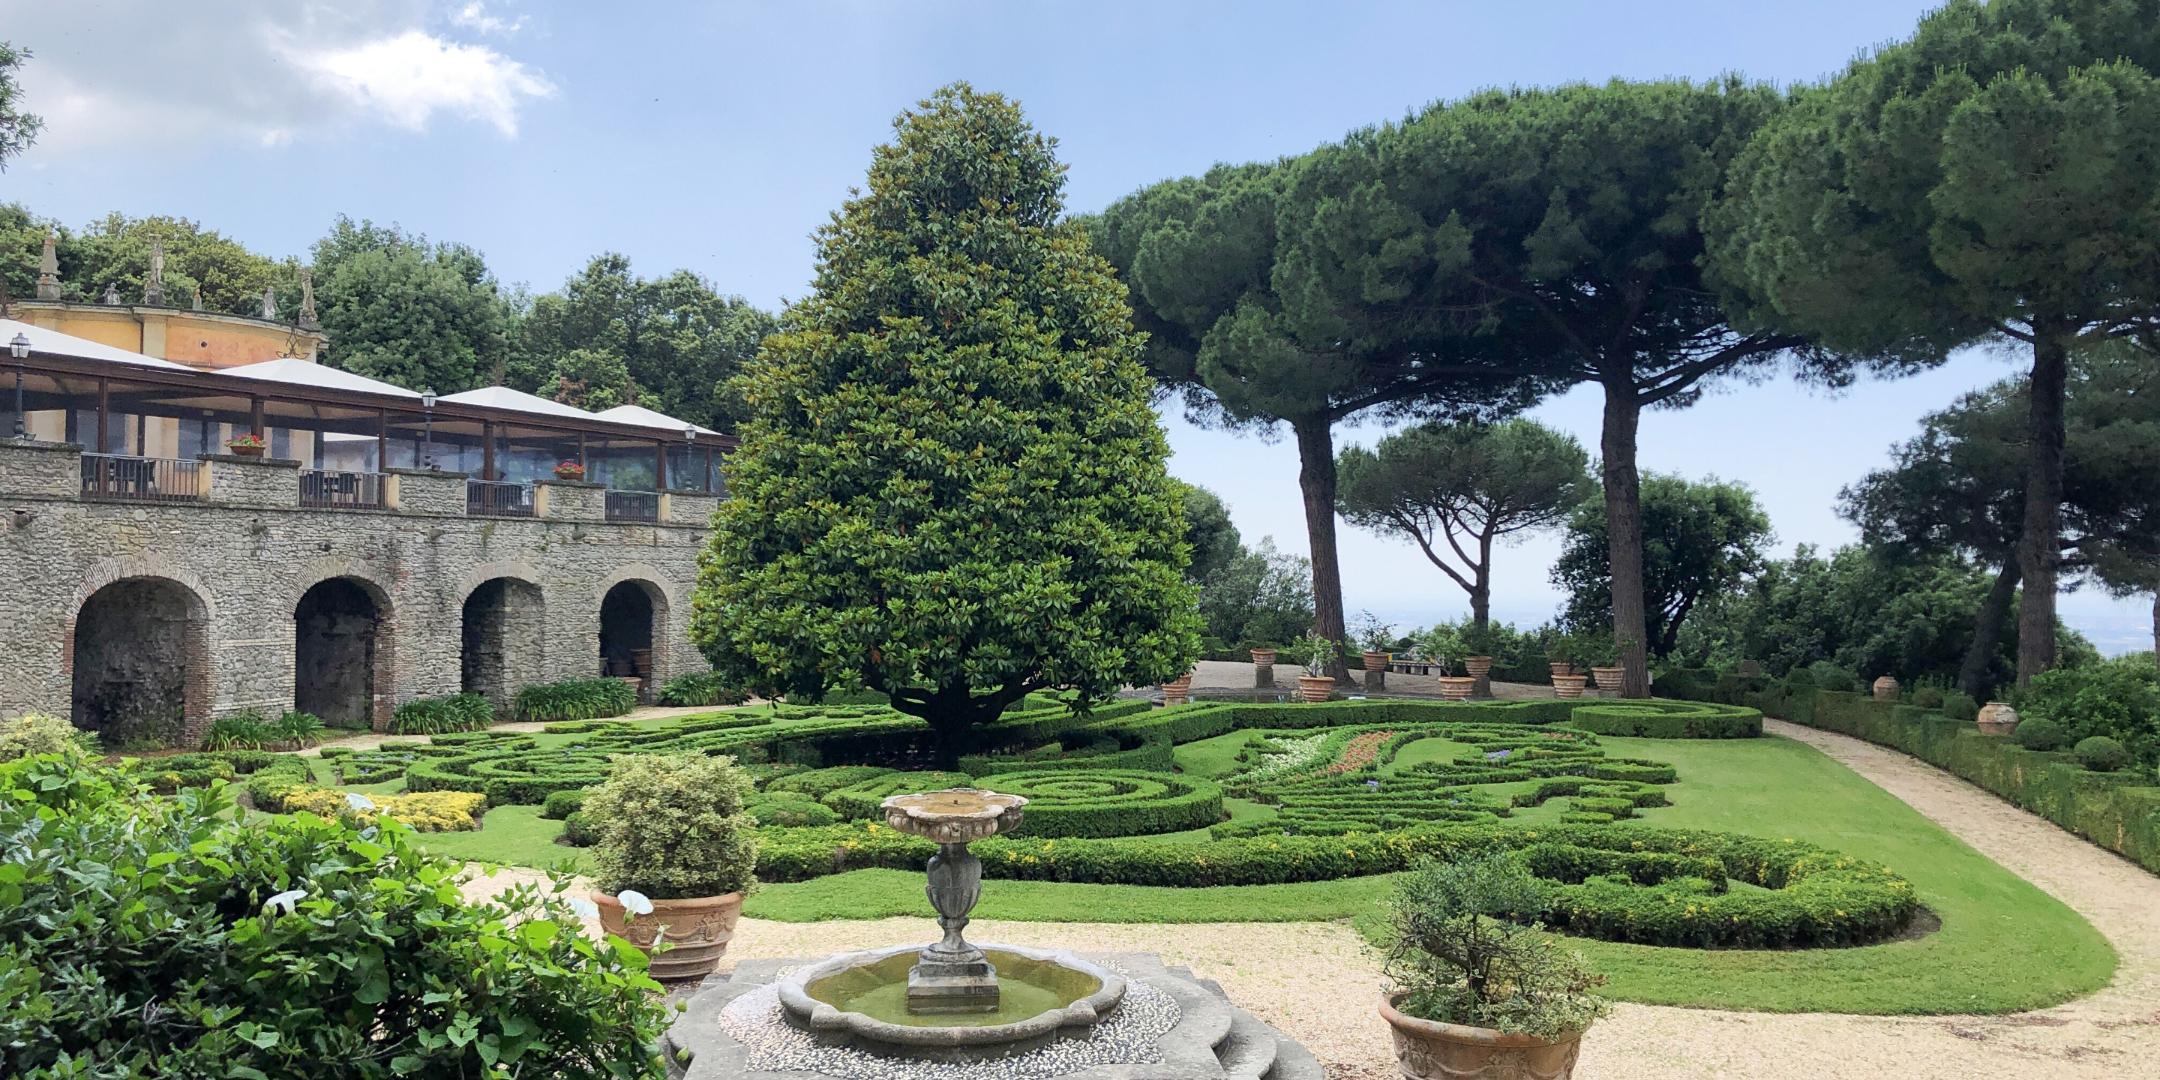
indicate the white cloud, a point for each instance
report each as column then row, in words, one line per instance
column 407, row 79
column 476, row 17
column 152, row 75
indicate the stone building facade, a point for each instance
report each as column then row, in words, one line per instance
column 146, row 619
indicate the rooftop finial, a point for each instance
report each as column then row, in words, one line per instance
column 307, row 299
column 269, row 308
column 154, row 285
column 48, row 271
column 198, row 298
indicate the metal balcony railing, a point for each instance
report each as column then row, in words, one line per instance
column 496, row 498
column 633, row 506
column 340, row 490
column 126, row 478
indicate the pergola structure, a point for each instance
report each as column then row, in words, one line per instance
column 146, row 423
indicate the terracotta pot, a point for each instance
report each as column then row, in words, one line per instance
column 1429, row 1050
column 1608, row 678
column 1264, row 657
column 1376, row 661
column 1997, row 718
column 1177, row 691
column 1457, row 687
column 245, row 451
column 1315, row 687
column 1477, row 666
column 1569, row 686
column 697, row 931
column 1562, row 668
column 1886, row 689
column 566, row 474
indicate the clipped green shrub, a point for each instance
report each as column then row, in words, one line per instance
column 1828, row 676
column 2101, row 754
column 2118, row 698
column 1108, row 802
column 441, row 715
column 1928, row 697
column 701, row 688
column 2040, row 733
column 575, row 699
column 244, row 957
column 578, row 830
column 790, row 811
column 1697, row 720
column 672, row 826
column 561, row 804
column 1958, row 705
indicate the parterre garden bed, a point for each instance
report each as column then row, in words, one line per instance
column 1228, row 811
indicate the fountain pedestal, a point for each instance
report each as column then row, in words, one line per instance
column 953, row 976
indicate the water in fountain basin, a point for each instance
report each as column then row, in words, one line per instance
column 1026, row 987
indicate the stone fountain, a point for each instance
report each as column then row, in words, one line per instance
column 958, row 1011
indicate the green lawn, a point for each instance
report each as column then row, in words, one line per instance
column 2004, row 945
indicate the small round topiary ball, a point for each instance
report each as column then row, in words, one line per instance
column 2101, row 754
column 2040, row 733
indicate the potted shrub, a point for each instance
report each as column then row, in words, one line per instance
column 1478, row 644
column 1375, row 638
column 674, row 853
column 1479, row 989
column 247, row 445
column 1314, row 652
column 569, row 470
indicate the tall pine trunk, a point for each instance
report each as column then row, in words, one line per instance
column 1987, row 630
column 2039, row 545
column 1316, row 480
column 1623, row 528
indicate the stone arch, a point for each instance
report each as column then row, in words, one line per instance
column 502, row 630
column 344, row 646
column 636, row 627
column 136, row 656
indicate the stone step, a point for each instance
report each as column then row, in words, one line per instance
column 1294, row 1062
column 1249, row 1050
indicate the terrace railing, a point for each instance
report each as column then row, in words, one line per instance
column 325, row 489
column 126, row 478
column 497, row 498
column 633, row 506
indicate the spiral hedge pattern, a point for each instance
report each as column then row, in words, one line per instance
column 1107, row 802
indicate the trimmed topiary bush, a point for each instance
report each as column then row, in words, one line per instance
column 2101, row 754
column 791, row 811
column 1958, row 705
column 562, row 804
column 2040, row 733
column 672, row 826
column 1699, row 720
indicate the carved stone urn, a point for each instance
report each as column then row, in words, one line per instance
column 953, row 976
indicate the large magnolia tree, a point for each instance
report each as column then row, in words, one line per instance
column 951, row 485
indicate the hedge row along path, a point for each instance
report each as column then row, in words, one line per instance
column 1317, row 981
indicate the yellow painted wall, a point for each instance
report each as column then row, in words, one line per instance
column 196, row 338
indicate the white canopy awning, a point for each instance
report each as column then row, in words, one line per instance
column 644, row 417
column 59, row 344
column 308, row 373
column 502, row 397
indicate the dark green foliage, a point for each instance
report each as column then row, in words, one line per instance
column 18, row 129
column 2041, row 733
column 297, row 729
column 575, row 699
column 137, row 933
column 2101, row 754
column 1960, row 706
column 2118, row 698
column 1107, row 802
column 578, row 830
column 1928, row 697
column 438, row 715
column 790, row 811
column 701, row 688
column 561, row 804
column 247, row 729
column 1824, row 675
column 1461, row 953
column 1706, row 721
column 950, row 486
column 1702, row 540
column 408, row 311
column 861, row 799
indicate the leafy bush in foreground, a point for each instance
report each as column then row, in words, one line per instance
column 151, row 936
column 1466, row 950
column 576, row 699
column 37, row 733
column 2118, row 698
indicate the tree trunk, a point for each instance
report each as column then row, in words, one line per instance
column 1623, row 528
column 2156, row 627
column 1316, row 479
column 1481, row 592
column 1987, row 631
column 2038, row 546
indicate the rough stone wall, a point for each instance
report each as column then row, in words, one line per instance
column 249, row 564
column 130, row 681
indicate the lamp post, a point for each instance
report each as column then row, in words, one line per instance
column 427, row 402
column 20, row 350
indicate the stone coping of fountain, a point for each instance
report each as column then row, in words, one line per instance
column 954, row 815
column 908, row 1040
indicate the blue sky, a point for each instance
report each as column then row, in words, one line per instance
column 716, row 136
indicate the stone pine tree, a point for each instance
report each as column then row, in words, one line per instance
column 1456, row 490
column 1995, row 179
column 1552, row 233
column 1200, row 254
column 951, row 484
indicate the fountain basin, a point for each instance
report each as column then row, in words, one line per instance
column 860, row 999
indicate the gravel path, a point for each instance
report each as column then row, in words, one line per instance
column 1317, row 981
